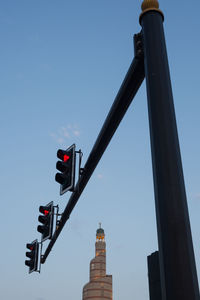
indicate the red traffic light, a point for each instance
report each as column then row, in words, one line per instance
column 47, row 220
column 32, row 255
column 45, row 210
column 30, row 246
column 63, row 155
column 66, row 157
column 66, row 166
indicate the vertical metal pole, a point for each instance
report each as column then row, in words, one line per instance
column 177, row 263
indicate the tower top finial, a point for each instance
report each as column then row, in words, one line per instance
column 148, row 5
column 100, row 233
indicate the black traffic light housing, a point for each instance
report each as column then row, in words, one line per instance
column 32, row 263
column 47, row 220
column 66, row 165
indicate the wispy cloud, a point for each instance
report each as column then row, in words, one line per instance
column 99, row 176
column 76, row 132
column 65, row 133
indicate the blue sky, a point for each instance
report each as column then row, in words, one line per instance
column 62, row 64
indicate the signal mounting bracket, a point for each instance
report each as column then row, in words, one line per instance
column 81, row 170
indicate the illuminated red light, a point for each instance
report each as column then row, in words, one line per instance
column 46, row 212
column 66, row 157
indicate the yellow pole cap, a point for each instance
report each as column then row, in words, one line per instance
column 150, row 5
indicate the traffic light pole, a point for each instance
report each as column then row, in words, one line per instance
column 177, row 263
column 127, row 91
column 176, row 256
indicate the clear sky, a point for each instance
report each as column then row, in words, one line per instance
column 62, row 63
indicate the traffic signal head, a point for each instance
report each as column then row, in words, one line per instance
column 32, row 263
column 66, row 165
column 47, row 221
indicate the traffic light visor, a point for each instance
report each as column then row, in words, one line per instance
column 30, row 246
column 63, row 155
column 45, row 210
